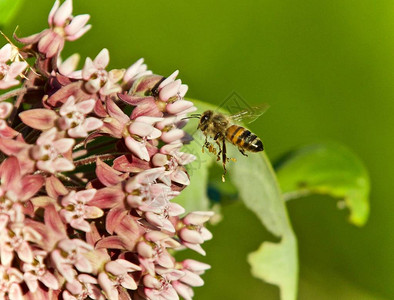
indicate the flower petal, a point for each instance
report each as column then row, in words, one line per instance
column 5, row 53
column 102, row 59
column 170, row 90
column 53, row 11
column 63, row 13
column 76, row 24
column 169, row 79
column 137, row 148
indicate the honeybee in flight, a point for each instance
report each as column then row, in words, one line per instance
column 221, row 128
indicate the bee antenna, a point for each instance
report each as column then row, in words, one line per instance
column 191, row 117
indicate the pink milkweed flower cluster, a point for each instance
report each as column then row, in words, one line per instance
column 91, row 164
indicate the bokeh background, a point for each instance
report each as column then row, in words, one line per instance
column 327, row 70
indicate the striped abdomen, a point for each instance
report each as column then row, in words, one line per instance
column 244, row 139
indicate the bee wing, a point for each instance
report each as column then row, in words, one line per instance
column 250, row 115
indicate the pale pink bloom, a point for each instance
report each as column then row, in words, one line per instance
column 195, row 266
column 180, row 107
column 135, row 71
column 183, row 290
column 48, row 152
column 9, row 52
column 76, row 209
column 97, row 78
column 171, row 88
column 158, row 210
column 16, row 238
column 15, row 186
column 160, row 287
column 155, row 252
column 142, row 189
column 11, row 279
column 15, row 189
column 198, row 217
column 37, row 271
column 173, row 135
column 193, row 233
column 9, row 67
column 119, row 277
column 70, row 254
column 173, row 163
column 78, row 237
column 73, row 118
column 192, row 270
column 63, row 26
column 142, row 131
column 9, row 211
column 69, row 66
column 83, row 287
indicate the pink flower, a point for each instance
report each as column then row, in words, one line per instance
column 49, row 151
column 171, row 88
column 116, row 276
column 192, row 270
column 144, row 190
column 76, row 209
column 15, row 186
column 173, row 164
column 135, row 71
column 82, row 287
column 37, row 271
column 193, row 233
column 15, row 189
column 70, row 254
column 142, row 131
column 63, row 27
column 153, row 251
column 158, row 211
column 160, row 287
column 10, row 68
column 97, row 78
column 73, row 118
column 16, row 238
column 91, row 163
column 10, row 288
column 69, row 66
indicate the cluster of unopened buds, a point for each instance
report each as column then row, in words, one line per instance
column 91, row 161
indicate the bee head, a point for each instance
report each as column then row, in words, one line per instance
column 205, row 119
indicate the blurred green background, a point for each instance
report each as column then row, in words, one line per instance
column 327, row 70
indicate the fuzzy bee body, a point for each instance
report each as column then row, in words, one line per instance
column 221, row 128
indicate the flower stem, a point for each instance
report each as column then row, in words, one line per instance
column 92, row 159
column 17, row 92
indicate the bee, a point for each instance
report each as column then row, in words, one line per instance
column 223, row 128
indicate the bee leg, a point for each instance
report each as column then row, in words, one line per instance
column 206, row 144
column 224, row 160
column 220, row 150
column 242, row 151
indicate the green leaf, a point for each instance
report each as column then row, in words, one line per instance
column 277, row 264
column 256, row 183
column 8, row 8
column 330, row 169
